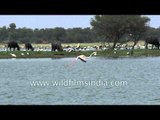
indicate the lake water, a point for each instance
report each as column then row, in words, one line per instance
column 99, row 81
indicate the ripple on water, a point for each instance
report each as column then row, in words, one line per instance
column 141, row 74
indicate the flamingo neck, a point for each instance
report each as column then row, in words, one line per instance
column 91, row 54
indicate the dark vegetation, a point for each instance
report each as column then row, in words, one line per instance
column 104, row 28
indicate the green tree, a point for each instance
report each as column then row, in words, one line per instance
column 12, row 26
column 152, row 32
column 3, row 34
column 79, row 35
column 137, row 26
column 59, row 33
column 114, row 27
column 24, row 35
column 11, row 32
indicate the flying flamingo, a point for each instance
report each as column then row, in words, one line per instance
column 83, row 58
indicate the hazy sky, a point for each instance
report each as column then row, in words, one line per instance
column 51, row 21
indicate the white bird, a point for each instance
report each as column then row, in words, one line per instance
column 22, row 53
column 70, row 50
column 78, row 45
column 83, row 57
column 13, row 55
column 27, row 53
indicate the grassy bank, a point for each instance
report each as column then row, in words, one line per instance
column 107, row 53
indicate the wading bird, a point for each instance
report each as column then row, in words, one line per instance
column 28, row 53
column 13, row 55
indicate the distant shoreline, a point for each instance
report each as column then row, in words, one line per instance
column 105, row 53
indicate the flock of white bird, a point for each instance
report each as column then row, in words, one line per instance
column 14, row 55
column 81, row 57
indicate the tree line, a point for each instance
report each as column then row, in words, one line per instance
column 48, row 35
column 104, row 28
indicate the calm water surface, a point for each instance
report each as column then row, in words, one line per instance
column 99, row 81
